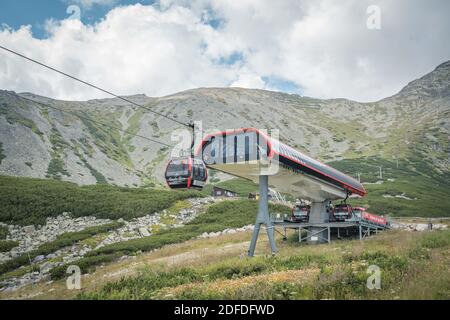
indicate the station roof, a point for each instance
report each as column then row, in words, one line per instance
column 289, row 170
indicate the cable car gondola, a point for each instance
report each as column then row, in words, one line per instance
column 342, row 212
column 186, row 173
column 300, row 213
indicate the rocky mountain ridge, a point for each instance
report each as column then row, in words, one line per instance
column 35, row 141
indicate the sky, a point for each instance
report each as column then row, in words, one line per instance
column 357, row 49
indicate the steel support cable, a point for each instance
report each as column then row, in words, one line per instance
column 86, row 118
column 94, row 86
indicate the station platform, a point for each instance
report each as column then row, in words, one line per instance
column 322, row 232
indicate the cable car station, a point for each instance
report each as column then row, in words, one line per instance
column 251, row 154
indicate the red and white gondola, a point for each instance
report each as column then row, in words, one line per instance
column 186, row 173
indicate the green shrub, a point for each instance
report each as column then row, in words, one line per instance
column 56, row 168
column 146, row 285
column 419, row 252
column 340, row 283
column 241, row 186
column 436, row 239
column 70, row 238
column 14, row 263
column 348, row 280
column 19, row 272
column 27, row 201
column 6, row 246
column 86, row 264
column 3, row 232
column 419, row 181
column 2, row 156
column 384, row 260
column 222, row 215
column 64, row 240
column 226, row 214
column 379, row 258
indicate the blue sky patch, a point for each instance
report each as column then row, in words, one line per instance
column 231, row 59
column 212, row 18
column 280, row 84
column 16, row 13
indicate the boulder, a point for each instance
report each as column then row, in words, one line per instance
column 39, row 258
column 29, row 229
column 51, row 256
column 46, row 267
column 144, row 232
column 421, row 227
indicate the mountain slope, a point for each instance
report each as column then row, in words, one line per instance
column 412, row 126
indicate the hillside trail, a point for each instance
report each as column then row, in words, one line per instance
column 190, row 257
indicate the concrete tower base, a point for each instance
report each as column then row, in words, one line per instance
column 318, row 214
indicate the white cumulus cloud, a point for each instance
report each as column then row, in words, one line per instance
column 323, row 47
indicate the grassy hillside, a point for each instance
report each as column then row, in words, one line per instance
column 227, row 214
column 413, row 266
column 427, row 189
column 27, row 201
column 241, row 186
column 411, row 189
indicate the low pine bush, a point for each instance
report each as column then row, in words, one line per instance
column 7, row 245
column 64, row 240
column 26, row 201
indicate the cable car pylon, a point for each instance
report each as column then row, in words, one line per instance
column 263, row 217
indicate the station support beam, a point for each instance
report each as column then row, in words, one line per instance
column 319, row 215
column 263, row 217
